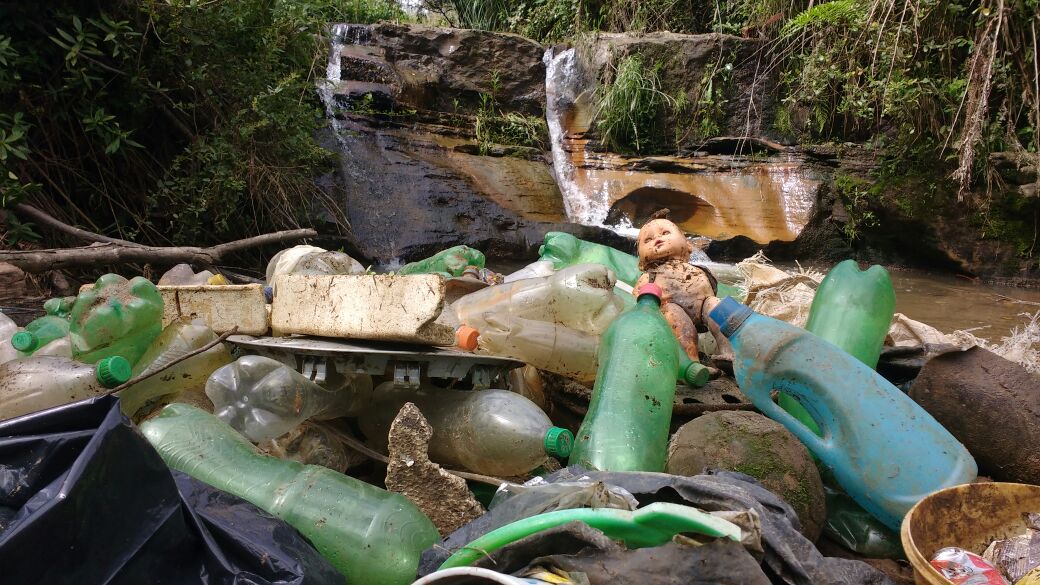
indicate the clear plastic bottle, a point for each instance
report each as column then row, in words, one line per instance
column 183, row 275
column 580, row 297
column 115, row 317
column 39, row 333
column 263, row 398
column 372, row 536
column 8, row 329
column 177, row 340
column 535, row 269
column 495, row 432
column 37, row 383
column 546, row 346
column 59, row 347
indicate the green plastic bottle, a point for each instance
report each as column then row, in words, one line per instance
column 39, row 333
column 564, row 250
column 626, row 428
column 852, row 309
column 371, row 536
column 450, row 262
column 115, row 317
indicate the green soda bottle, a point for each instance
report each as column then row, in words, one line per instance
column 852, row 309
column 626, row 428
column 371, row 536
column 564, row 250
column 39, row 333
column 450, row 262
column 115, row 317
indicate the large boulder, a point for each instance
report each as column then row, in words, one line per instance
column 750, row 443
column 990, row 404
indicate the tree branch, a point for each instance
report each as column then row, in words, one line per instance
column 117, row 253
column 44, row 218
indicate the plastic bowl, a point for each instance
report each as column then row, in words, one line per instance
column 966, row 516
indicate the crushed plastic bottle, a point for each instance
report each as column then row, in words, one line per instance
column 263, row 398
column 546, row 346
column 371, row 536
column 494, row 432
column 563, row 250
column 115, row 317
column 626, row 427
column 38, row 383
column 313, row 260
column 451, row 262
column 8, row 329
column 177, row 340
column 579, row 297
column 884, row 450
column 40, row 333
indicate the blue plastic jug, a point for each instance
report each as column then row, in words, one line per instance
column 884, row 449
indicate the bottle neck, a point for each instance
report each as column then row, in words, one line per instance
column 649, row 301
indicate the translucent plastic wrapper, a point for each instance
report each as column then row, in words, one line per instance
column 537, row 497
column 966, row 568
column 1016, row 556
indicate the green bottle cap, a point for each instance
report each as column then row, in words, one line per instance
column 25, row 342
column 558, row 442
column 112, row 371
column 696, row 374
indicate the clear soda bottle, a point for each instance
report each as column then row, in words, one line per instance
column 37, row 383
column 580, row 297
column 263, row 398
column 8, row 329
column 494, row 432
column 177, row 340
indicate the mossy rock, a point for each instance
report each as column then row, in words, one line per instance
column 750, row 443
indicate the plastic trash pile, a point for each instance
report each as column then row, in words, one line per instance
column 284, row 405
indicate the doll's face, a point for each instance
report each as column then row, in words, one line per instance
column 660, row 239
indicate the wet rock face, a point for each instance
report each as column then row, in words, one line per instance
column 413, row 178
column 750, row 443
column 990, row 404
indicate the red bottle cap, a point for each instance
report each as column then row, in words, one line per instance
column 650, row 289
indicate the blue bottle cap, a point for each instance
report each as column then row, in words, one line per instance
column 729, row 315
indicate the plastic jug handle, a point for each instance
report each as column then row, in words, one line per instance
column 832, row 431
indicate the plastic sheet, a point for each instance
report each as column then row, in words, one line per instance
column 85, row 499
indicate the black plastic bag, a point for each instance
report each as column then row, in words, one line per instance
column 85, row 499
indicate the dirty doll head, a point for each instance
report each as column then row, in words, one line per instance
column 660, row 240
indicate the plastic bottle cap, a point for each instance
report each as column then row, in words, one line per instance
column 112, row 371
column 268, row 294
column 558, row 442
column 466, row 337
column 25, row 342
column 696, row 374
column 650, row 289
column 729, row 315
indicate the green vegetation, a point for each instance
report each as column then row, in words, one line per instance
column 493, row 126
column 173, row 121
column 628, row 108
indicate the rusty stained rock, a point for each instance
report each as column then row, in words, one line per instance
column 443, row 497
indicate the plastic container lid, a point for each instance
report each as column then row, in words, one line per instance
column 729, row 315
column 650, row 289
column 466, row 337
column 25, row 342
column 112, row 371
column 558, row 442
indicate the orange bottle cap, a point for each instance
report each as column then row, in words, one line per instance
column 466, row 337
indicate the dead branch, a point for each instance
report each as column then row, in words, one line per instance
column 116, row 254
column 44, row 218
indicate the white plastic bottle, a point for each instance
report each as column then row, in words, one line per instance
column 495, row 432
column 580, row 297
column 263, row 398
column 41, row 382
